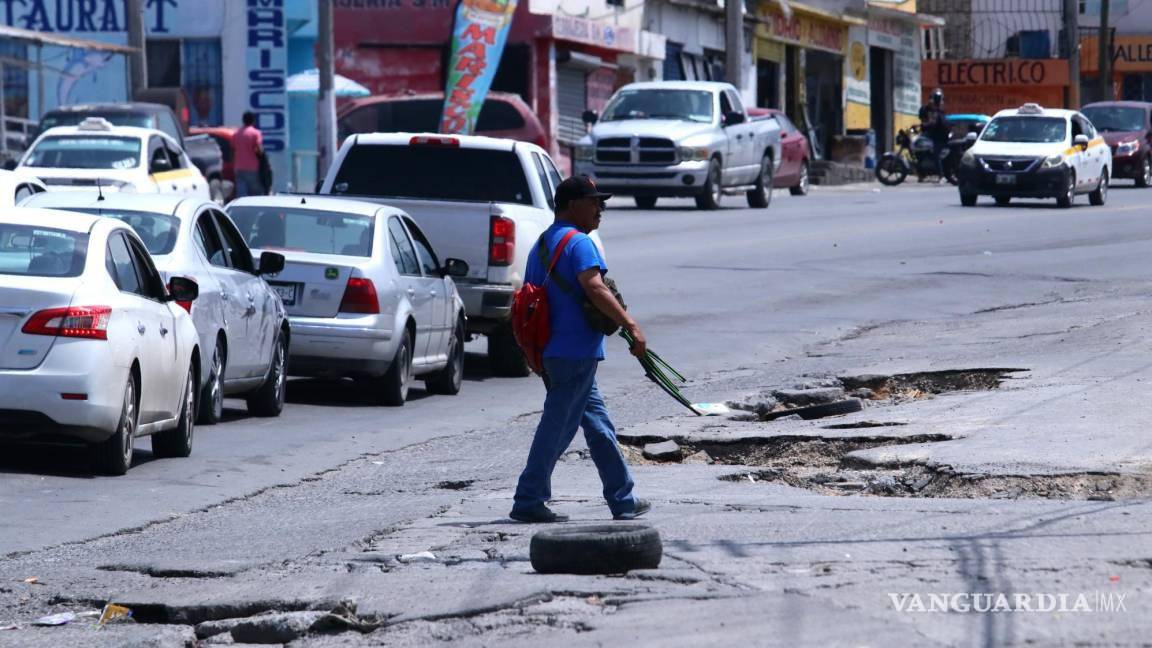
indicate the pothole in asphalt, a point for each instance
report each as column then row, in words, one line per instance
column 455, row 485
column 859, row 425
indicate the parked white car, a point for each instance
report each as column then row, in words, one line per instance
column 92, row 344
column 15, row 187
column 97, row 154
column 366, row 294
column 243, row 326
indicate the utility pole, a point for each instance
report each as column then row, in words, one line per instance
column 734, row 42
column 137, row 65
column 1105, row 39
column 326, row 105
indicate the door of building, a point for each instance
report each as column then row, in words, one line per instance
column 880, row 66
column 572, row 101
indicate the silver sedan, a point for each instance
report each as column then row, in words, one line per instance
column 239, row 317
column 365, row 292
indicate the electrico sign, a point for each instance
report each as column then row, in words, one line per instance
column 266, row 56
column 1007, row 72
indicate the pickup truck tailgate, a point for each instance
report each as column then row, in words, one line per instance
column 456, row 230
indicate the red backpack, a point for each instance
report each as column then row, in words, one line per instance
column 530, row 324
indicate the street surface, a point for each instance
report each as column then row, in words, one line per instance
column 795, row 534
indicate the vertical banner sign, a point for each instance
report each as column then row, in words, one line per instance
column 266, row 56
column 478, row 39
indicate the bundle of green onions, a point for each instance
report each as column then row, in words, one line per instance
column 657, row 370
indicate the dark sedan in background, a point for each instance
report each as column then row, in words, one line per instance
column 1126, row 128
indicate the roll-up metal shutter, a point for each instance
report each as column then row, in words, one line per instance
column 572, row 97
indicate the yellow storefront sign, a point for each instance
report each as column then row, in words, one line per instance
column 800, row 29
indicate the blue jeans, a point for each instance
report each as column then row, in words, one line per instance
column 248, row 184
column 574, row 401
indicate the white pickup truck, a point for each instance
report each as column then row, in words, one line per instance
column 680, row 138
column 479, row 199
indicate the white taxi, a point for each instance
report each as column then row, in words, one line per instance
column 98, row 155
column 1033, row 152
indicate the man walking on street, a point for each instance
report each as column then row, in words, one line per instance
column 248, row 146
column 570, row 360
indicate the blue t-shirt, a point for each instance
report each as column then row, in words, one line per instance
column 572, row 337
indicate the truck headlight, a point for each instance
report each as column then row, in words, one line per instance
column 968, row 159
column 1053, row 161
column 693, row 154
column 585, row 153
column 1127, row 148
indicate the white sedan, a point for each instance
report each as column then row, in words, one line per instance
column 365, row 293
column 92, row 343
column 97, row 155
column 15, row 187
column 243, row 327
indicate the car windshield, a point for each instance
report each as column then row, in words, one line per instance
column 686, row 105
column 41, row 251
column 428, row 172
column 1116, row 118
column 1026, row 130
column 85, row 152
column 304, row 230
column 159, row 232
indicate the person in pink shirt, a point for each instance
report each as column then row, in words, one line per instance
column 248, row 144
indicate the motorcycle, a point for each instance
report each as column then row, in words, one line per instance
column 915, row 153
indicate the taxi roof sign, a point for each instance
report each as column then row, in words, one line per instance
column 1031, row 109
column 95, row 124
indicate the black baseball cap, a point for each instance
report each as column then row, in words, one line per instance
column 575, row 188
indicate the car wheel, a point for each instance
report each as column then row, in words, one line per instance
column 709, row 198
column 113, row 456
column 761, row 195
column 645, row 202
column 968, row 199
column 801, row 187
column 177, row 442
column 602, row 549
column 1065, row 201
column 1002, row 201
column 1100, row 196
column 1145, row 178
column 212, row 396
column 448, row 380
column 504, row 354
column 394, row 385
column 269, row 399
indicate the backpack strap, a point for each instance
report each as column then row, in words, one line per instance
column 542, row 250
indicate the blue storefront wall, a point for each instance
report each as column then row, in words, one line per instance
column 231, row 56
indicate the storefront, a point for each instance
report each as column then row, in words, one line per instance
column 891, row 53
column 696, row 43
column 985, row 86
column 1131, row 68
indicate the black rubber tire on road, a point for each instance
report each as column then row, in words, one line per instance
column 393, row 387
column 709, row 197
column 504, row 355
column 177, row 442
column 1065, row 201
column 113, row 456
column 801, row 187
column 211, row 400
column 838, row 408
column 601, row 549
column 1145, row 177
column 761, row 195
column 645, row 202
column 968, row 200
column 1100, row 195
column 1003, row 201
column 448, row 380
column 268, row 401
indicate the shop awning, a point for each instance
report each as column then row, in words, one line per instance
column 924, row 20
column 41, row 38
column 814, row 12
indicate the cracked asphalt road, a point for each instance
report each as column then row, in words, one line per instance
column 313, row 510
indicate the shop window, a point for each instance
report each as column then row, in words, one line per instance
column 1029, row 44
column 673, row 67
column 15, row 79
column 163, row 63
column 195, row 66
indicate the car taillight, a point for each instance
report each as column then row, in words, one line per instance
column 424, row 140
column 502, row 241
column 360, row 297
column 89, row 322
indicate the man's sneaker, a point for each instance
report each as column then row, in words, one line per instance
column 542, row 515
column 642, row 507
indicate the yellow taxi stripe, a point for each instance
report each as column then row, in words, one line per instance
column 175, row 174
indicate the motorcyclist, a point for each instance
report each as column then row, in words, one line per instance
column 934, row 124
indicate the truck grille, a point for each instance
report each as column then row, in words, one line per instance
column 636, row 150
column 1016, row 164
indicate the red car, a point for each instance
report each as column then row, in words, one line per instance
column 223, row 137
column 797, row 155
column 503, row 115
column 1125, row 127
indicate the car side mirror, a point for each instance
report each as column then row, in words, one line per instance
column 1081, row 141
column 732, row 118
column 455, row 268
column 183, row 289
column 10, row 165
column 270, row 263
column 971, row 137
column 159, row 165
column 590, row 117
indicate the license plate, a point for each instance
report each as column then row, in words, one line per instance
column 1005, row 179
column 287, row 293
